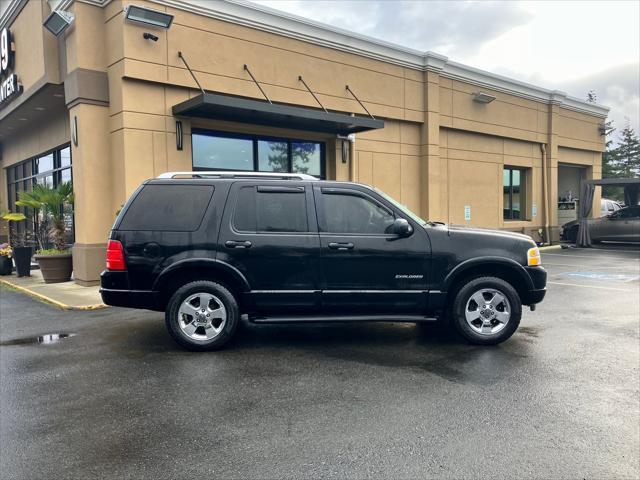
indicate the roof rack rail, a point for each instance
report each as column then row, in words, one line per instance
column 219, row 174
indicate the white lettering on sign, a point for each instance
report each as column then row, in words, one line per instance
column 9, row 86
column 6, row 51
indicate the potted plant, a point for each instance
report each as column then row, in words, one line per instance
column 6, row 265
column 55, row 263
column 19, row 250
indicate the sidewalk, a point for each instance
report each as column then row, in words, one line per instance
column 66, row 295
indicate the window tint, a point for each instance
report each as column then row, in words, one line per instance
column 355, row 214
column 222, row 152
column 228, row 151
column 273, row 156
column 268, row 211
column 306, row 157
column 631, row 212
column 513, row 192
column 168, row 207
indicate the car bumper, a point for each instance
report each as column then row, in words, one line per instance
column 115, row 292
column 538, row 276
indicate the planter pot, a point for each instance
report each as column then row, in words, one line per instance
column 6, row 265
column 22, row 259
column 55, row 268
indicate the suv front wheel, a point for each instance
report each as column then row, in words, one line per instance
column 486, row 311
column 202, row 315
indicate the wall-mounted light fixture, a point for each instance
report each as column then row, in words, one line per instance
column 179, row 145
column 347, row 140
column 150, row 36
column 74, row 131
column 58, row 22
column 147, row 16
column 482, row 97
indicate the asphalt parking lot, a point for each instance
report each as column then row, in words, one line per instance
column 561, row 399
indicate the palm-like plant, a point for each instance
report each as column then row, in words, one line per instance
column 52, row 202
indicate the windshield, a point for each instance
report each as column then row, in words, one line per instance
column 402, row 208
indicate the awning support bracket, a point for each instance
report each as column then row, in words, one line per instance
column 311, row 92
column 361, row 104
column 184, row 60
column 246, row 68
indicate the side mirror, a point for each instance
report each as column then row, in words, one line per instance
column 401, row 227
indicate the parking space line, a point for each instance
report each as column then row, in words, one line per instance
column 591, row 286
column 608, row 257
column 581, row 265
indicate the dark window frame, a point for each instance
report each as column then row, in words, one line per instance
column 322, row 221
column 285, row 190
column 27, row 180
column 523, row 194
column 254, row 142
column 150, row 189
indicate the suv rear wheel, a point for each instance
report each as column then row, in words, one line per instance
column 486, row 311
column 202, row 315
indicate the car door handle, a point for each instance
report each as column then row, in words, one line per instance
column 237, row 244
column 341, row 246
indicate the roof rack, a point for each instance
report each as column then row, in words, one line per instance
column 218, row 174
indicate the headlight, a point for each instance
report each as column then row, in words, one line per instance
column 533, row 257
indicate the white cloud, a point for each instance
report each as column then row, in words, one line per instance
column 570, row 46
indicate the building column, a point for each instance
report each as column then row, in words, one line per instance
column 552, row 167
column 433, row 172
column 93, row 214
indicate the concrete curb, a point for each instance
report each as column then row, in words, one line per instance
column 51, row 300
column 550, row 248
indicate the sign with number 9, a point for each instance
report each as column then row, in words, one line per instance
column 6, row 52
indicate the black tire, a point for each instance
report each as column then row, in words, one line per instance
column 458, row 319
column 573, row 234
column 226, row 298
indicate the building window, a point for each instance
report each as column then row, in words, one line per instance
column 514, row 193
column 51, row 168
column 226, row 151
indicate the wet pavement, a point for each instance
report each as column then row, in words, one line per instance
column 561, row 399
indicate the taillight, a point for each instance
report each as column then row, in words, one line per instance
column 115, row 256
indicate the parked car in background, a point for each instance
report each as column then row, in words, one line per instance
column 569, row 231
column 623, row 225
column 206, row 247
column 607, row 207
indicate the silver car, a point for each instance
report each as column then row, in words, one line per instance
column 620, row 226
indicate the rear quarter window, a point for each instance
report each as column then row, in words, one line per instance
column 178, row 208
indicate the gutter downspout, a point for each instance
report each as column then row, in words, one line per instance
column 545, row 187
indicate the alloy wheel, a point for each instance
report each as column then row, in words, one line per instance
column 487, row 311
column 202, row 316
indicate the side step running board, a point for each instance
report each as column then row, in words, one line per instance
column 343, row 318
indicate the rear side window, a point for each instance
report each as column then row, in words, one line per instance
column 178, row 208
column 260, row 209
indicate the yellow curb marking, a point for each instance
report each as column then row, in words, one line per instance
column 64, row 306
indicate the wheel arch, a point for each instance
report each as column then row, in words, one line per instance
column 185, row 271
column 503, row 268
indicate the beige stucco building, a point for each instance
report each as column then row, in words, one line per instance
column 96, row 104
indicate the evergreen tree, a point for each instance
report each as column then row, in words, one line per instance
column 627, row 153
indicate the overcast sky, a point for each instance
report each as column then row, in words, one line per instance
column 570, row 46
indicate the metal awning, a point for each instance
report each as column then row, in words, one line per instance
column 245, row 110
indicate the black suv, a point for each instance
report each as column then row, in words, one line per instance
column 207, row 247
